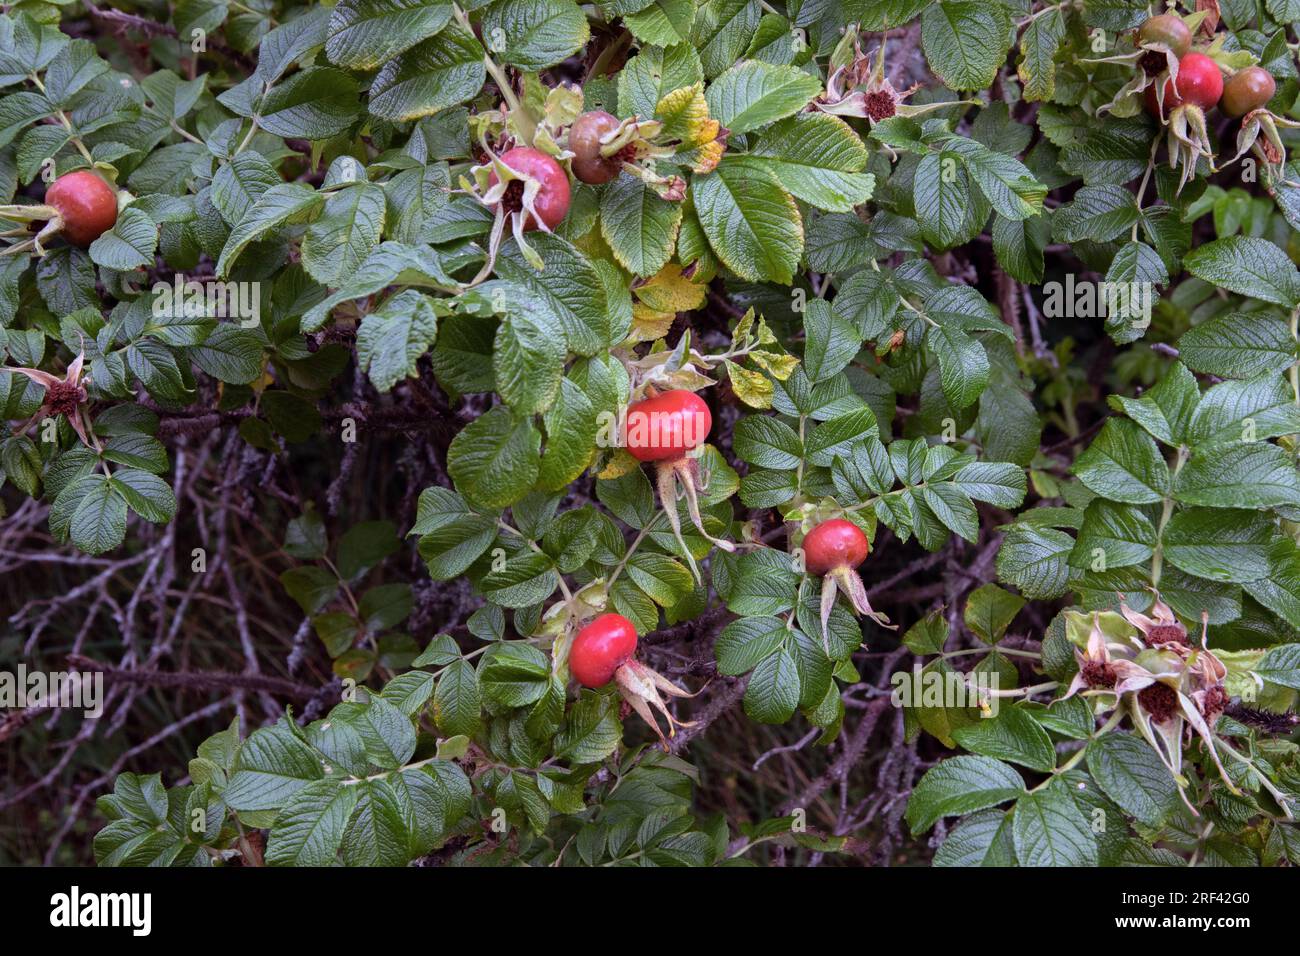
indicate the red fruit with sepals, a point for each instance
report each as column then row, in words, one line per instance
column 604, row 650
column 667, row 425
column 86, row 204
column 834, row 544
column 1199, row 84
column 551, row 204
column 832, row 550
column 601, row 648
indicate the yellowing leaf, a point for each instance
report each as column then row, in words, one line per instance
column 781, row 366
column 754, row 388
column 648, row 324
column 685, row 115
column 669, row 291
column 620, row 463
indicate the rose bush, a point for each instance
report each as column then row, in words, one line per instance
column 709, row 323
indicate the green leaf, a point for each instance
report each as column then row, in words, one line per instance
column 838, row 437
column 572, row 288
column 1281, row 666
column 963, row 364
column 1220, row 544
column 722, row 31
column 1038, row 48
column 1034, row 560
column 591, row 730
column 309, row 830
column 571, row 429
column 393, row 338
column 1241, row 475
column 528, row 358
column 98, row 523
column 1049, row 829
column 1130, row 773
column 773, row 692
column 514, row 675
column 365, row 34
column 665, row 580
column 965, row 42
column 1124, row 464
column 457, row 701
column 434, row 74
column 746, row 641
column 379, row 833
column 340, row 240
column 494, row 460
column 365, row 545
column 273, row 765
column 1122, row 534
column 315, row 104
column 817, row 158
column 831, row 343
column 751, row 222
column 535, row 34
column 941, row 195
column 1019, row 245
column 753, row 94
column 981, row 839
column 147, row 495
column 1248, row 266
column 281, row 204
column 990, row 611
column 663, row 22
column 129, row 245
column 767, row 441
column 1166, row 410
column 310, row 586
column 998, row 483
column 1097, row 212
column 1007, row 184
column 1238, row 345
column 653, row 72
column 960, row 785
column 1013, row 736
column 230, row 354
column 641, row 228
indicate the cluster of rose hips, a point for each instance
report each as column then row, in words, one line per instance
column 1180, row 85
column 668, row 429
column 1200, row 81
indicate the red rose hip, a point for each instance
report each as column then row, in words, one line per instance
column 600, row 649
column 832, row 550
column 833, row 545
column 603, row 652
column 551, row 203
column 1199, row 84
column 86, row 204
column 667, row 426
